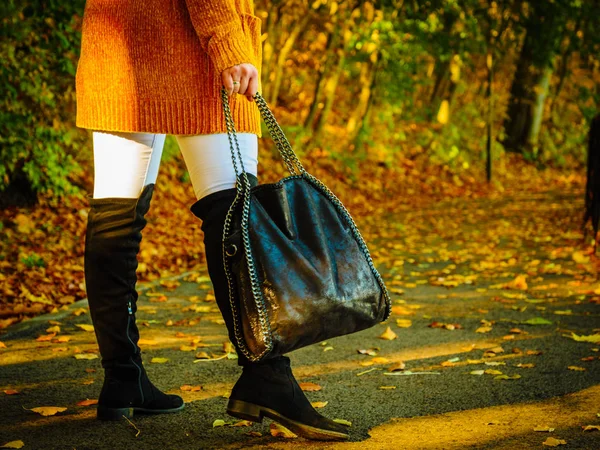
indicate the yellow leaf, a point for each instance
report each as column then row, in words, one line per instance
column 85, row 326
column 403, row 323
column 319, row 404
column 63, row 339
column 591, row 428
column 594, row 338
column 85, row 356
column 444, row 112
column 397, row 367
column 306, row 387
column 147, row 342
column 156, row 360
column 525, row 365
column 218, row 423
column 483, row 330
column 577, row 368
column 507, row 377
column 477, row 372
column 388, row 335
column 553, row 442
column 493, row 372
column 281, row 431
column 544, row 429
column 387, row 388
column 242, row 423
column 187, row 348
column 13, row 444
column 343, row 422
column 519, row 282
column 54, row 329
column 48, row 410
column 580, row 258
column 87, row 402
column 188, row 388
column 2, row 344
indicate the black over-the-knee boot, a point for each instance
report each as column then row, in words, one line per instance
column 268, row 388
column 114, row 233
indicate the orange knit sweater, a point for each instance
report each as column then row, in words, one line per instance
column 154, row 65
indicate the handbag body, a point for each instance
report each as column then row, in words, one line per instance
column 298, row 269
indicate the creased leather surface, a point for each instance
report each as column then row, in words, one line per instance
column 314, row 278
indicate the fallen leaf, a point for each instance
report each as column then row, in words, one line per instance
column 387, row 388
column 577, row 368
column 11, row 392
column 525, row 365
column 13, row 444
column 492, row 372
column 157, row 360
column 3, row 345
column 63, row 339
column 507, row 377
column 54, row 329
column 85, row 327
column 343, row 422
column 310, row 387
column 326, row 349
column 403, row 323
column 187, row 348
column 591, row 428
column 46, row 338
column 397, row 367
column 520, row 282
column 87, row 402
column 483, row 330
column 48, row 410
column 202, row 355
column 79, row 312
column 537, row 321
column 588, row 358
column 218, row 423
column 85, row 356
column 319, row 404
column 594, row 338
column 370, row 351
column 534, row 352
column 281, row 431
column 242, row 423
column 477, row 372
column 388, row 335
column 147, row 342
column 544, row 429
column 552, row 442
column 189, row 388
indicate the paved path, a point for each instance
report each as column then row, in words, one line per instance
column 505, row 261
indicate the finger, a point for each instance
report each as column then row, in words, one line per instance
column 243, row 85
column 253, row 86
column 227, row 82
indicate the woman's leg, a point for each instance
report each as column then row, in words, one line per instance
column 125, row 169
column 267, row 388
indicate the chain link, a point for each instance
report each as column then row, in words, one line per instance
column 296, row 169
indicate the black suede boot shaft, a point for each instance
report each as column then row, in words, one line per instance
column 113, row 237
column 212, row 210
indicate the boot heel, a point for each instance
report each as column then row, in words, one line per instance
column 104, row 413
column 244, row 410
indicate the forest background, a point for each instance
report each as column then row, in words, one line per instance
column 393, row 104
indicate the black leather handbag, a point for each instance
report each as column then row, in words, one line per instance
column 298, row 269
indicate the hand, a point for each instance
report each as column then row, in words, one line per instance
column 247, row 77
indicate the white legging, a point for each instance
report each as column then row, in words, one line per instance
column 124, row 163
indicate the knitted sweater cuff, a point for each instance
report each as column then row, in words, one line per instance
column 229, row 51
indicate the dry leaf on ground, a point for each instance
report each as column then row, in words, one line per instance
column 87, row 402
column 157, row 360
column 48, row 410
column 309, row 387
column 388, row 335
column 13, row 444
column 281, row 431
column 85, row 327
column 553, row 442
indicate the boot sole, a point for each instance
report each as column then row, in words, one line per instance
column 104, row 413
column 255, row 413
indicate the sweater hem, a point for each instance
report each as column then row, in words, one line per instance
column 181, row 117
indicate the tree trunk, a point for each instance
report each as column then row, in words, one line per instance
column 366, row 80
column 332, row 43
column 330, row 89
column 282, row 57
column 272, row 31
column 537, row 113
